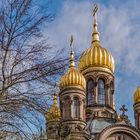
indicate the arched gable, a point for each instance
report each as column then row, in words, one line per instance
column 119, row 132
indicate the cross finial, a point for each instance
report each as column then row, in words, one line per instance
column 72, row 64
column 95, row 34
column 123, row 109
column 95, row 9
column 71, row 42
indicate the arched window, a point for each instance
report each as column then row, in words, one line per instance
column 76, row 108
column 101, row 91
column 90, row 92
column 67, row 108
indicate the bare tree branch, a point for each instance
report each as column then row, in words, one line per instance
column 27, row 67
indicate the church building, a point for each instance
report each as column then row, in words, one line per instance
column 86, row 109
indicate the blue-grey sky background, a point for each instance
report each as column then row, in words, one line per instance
column 119, row 27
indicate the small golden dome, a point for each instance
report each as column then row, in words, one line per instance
column 53, row 113
column 73, row 77
column 137, row 95
column 96, row 56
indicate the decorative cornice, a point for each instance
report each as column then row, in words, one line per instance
column 97, row 69
column 76, row 87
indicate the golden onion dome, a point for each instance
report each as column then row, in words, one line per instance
column 137, row 95
column 72, row 77
column 53, row 113
column 96, row 56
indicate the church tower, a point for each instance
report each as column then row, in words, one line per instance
column 53, row 119
column 137, row 107
column 97, row 66
column 72, row 101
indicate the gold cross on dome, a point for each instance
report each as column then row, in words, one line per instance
column 123, row 109
column 95, row 9
column 71, row 42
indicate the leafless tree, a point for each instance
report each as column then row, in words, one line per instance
column 27, row 67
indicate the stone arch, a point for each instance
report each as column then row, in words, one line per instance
column 115, row 130
column 90, row 77
column 102, row 76
column 66, row 97
column 76, row 96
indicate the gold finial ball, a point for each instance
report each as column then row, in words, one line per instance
column 137, row 95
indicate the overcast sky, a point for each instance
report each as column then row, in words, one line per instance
column 119, row 27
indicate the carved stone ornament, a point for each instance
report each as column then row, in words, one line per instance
column 64, row 131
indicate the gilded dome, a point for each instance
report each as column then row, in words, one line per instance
column 72, row 77
column 96, row 56
column 137, row 95
column 53, row 113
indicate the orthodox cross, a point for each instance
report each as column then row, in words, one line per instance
column 123, row 109
column 95, row 9
column 71, row 42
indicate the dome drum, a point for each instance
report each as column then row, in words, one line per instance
column 72, row 89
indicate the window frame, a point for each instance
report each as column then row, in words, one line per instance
column 101, row 92
column 90, row 92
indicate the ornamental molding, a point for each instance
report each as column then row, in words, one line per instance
column 97, row 69
column 115, row 128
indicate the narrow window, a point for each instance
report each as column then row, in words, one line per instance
column 101, row 91
column 67, row 108
column 90, row 92
column 76, row 108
